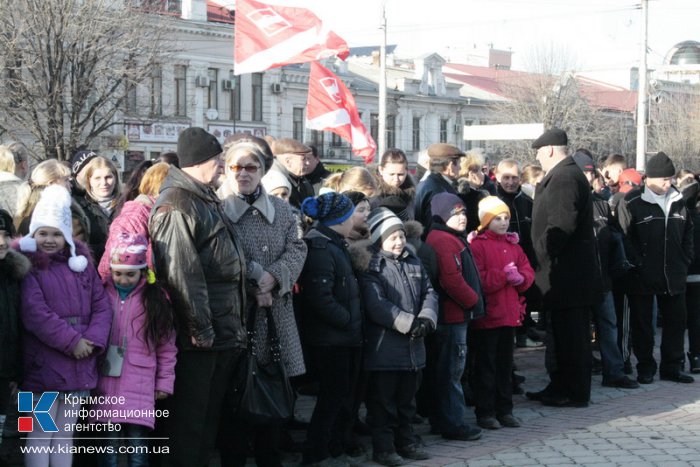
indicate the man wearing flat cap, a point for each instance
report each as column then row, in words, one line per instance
column 567, row 270
column 659, row 243
column 444, row 170
column 196, row 253
column 293, row 161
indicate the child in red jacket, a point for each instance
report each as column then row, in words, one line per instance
column 505, row 274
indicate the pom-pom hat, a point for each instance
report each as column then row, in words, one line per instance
column 129, row 252
column 53, row 210
column 329, row 208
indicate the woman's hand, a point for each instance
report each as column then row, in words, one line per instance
column 161, row 395
column 263, row 299
column 267, row 282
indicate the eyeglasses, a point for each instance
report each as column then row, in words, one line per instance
column 251, row 169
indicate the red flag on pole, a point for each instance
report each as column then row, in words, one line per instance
column 331, row 107
column 269, row 36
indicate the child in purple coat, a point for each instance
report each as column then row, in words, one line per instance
column 65, row 318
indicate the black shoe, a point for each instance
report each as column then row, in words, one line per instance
column 390, row 459
column 694, row 362
column 417, row 419
column 535, row 334
column 488, row 423
column 678, row 377
column 645, row 379
column 517, row 390
column 623, row 383
column 413, row 452
column 536, row 396
column 561, row 401
column 508, row 421
column 518, row 379
column 465, row 433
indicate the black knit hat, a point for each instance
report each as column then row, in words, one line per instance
column 356, row 197
column 660, row 166
column 329, row 208
column 195, row 145
column 552, row 137
column 80, row 160
column 6, row 222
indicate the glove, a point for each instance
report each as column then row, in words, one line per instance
column 513, row 277
column 421, row 327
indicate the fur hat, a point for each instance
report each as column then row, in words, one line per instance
column 273, row 180
column 6, row 222
column 195, row 145
column 329, row 208
column 490, row 207
column 445, row 205
column 382, row 223
column 660, row 166
column 80, row 160
column 129, row 252
column 53, row 210
column 552, row 137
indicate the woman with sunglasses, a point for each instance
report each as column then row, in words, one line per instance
column 271, row 236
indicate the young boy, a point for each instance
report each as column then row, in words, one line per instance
column 505, row 274
column 401, row 308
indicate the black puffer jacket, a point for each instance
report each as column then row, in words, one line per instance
column 395, row 292
column 435, row 183
column 659, row 245
column 12, row 269
column 98, row 225
column 330, row 295
column 196, row 253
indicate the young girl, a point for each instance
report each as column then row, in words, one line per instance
column 143, row 337
column 505, row 274
column 66, row 316
column 401, row 309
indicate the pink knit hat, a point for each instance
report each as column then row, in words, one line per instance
column 129, row 252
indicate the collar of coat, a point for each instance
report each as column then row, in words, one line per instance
column 176, row 178
column 235, row 207
column 672, row 196
column 15, row 265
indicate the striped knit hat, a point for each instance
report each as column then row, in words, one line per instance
column 382, row 223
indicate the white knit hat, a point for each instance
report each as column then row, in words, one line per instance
column 273, row 180
column 53, row 210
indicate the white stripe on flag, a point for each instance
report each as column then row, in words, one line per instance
column 338, row 117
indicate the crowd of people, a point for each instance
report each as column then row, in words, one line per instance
column 406, row 294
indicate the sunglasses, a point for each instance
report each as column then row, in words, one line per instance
column 251, row 169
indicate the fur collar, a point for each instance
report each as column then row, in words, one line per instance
column 15, row 264
column 406, row 191
column 41, row 260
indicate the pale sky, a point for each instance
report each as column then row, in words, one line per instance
column 602, row 36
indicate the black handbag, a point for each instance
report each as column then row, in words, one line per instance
column 265, row 394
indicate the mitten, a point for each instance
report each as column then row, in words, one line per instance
column 513, row 277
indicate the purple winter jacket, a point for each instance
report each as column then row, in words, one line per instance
column 59, row 306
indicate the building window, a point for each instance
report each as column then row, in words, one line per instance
column 416, row 133
column 298, row 123
column 180, row 74
column 257, row 94
column 391, row 131
column 235, row 96
column 374, row 126
column 468, row 143
column 156, row 91
column 317, row 140
column 336, row 140
column 443, row 130
column 213, row 94
column 131, row 100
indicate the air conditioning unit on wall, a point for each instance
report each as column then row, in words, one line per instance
column 202, row 81
column 276, row 88
column 228, row 85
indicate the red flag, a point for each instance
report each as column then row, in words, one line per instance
column 269, row 36
column 331, row 107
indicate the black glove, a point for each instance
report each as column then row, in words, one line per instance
column 421, row 327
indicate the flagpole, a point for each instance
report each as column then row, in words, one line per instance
column 381, row 144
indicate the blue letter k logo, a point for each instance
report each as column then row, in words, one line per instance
column 25, row 402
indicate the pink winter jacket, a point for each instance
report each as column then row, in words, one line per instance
column 133, row 218
column 504, row 304
column 145, row 370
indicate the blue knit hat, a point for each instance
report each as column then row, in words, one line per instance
column 329, row 208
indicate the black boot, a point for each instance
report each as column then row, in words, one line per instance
column 694, row 362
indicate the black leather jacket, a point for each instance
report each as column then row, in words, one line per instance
column 198, row 257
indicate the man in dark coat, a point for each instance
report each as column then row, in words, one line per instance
column 292, row 160
column 317, row 172
column 567, row 270
column 444, row 170
column 197, row 255
column 659, row 243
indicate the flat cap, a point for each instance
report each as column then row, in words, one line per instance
column 551, row 137
column 444, row 151
column 289, row 146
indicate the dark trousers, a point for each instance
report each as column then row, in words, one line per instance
column 391, row 405
column 692, row 302
column 673, row 321
column 493, row 365
column 330, row 428
column 239, row 436
column 622, row 312
column 202, row 378
column 571, row 334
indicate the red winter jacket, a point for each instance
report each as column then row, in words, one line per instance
column 504, row 305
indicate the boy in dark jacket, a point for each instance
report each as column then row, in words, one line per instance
column 401, row 309
column 331, row 325
column 13, row 267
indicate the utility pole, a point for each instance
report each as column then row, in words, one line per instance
column 642, row 94
column 381, row 144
